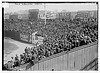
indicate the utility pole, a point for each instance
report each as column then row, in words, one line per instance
column 45, row 12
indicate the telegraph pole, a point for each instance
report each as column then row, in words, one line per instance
column 45, row 12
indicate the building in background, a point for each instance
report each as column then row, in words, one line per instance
column 85, row 15
column 73, row 14
column 49, row 14
column 13, row 16
column 23, row 14
column 95, row 15
column 6, row 16
column 33, row 14
column 64, row 15
column 42, row 14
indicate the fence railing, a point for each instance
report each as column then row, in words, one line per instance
column 75, row 59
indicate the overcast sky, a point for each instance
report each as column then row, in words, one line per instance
column 52, row 6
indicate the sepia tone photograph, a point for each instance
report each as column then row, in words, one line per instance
column 50, row 36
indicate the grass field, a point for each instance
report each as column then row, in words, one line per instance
column 13, row 47
column 9, row 47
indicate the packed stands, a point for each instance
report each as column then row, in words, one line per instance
column 59, row 35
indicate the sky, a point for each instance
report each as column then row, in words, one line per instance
column 12, row 7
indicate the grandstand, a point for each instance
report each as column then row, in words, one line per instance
column 64, row 43
column 81, row 58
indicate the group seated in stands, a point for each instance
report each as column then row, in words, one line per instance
column 58, row 35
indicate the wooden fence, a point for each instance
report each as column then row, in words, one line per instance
column 76, row 59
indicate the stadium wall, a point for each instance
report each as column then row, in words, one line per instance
column 25, row 38
column 76, row 59
column 12, row 34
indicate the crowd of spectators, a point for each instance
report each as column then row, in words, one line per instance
column 59, row 36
